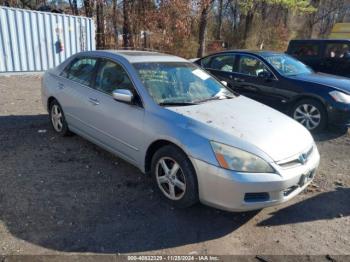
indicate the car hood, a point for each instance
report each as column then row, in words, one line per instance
column 274, row 133
column 337, row 82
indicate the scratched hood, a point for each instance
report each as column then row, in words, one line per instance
column 271, row 131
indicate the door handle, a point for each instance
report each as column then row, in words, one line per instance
column 60, row 85
column 238, row 79
column 94, row 101
column 251, row 88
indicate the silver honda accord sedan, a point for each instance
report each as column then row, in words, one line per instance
column 198, row 140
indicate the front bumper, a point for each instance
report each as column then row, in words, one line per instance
column 339, row 114
column 233, row 191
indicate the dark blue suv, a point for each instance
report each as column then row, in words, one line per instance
column 331, row 56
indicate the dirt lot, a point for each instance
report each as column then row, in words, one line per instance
column 67, row 195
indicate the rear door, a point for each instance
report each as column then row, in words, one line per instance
column 75, row 85
column 221, row 66
column 337, row 58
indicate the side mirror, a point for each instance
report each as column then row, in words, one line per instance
column 224, row 83
column 123, row 95
column 266, row 75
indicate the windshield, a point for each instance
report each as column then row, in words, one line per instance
column 287, row 65
column 179, row 83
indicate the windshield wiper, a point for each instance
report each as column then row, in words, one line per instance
column 215, row 98
column 177, row 104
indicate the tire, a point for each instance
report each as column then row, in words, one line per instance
column 58, row 120
column 308, row 112
column 185, row 194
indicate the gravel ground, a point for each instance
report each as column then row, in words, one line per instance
column 60, row 195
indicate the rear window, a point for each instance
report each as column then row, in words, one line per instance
column 80, row 70
column 224, row 62
column 304, row 49
column 337, row 50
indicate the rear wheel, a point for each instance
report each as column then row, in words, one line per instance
column 311, row 114
column 174, row 176
column 58, row 120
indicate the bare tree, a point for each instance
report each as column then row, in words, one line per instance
column 218, row 31
column 100, row 22
column 28, row 4
column 320, row 22
column 127, row 36
column 205, row 6
column 74, row 7
column 248, row 24
column 89, row 8
column 115, row 22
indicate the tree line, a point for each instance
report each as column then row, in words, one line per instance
column 192, row 28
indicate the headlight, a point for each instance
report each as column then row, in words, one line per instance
column 340, row 97
column 238, row 160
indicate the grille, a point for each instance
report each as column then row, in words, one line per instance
column 297, row 161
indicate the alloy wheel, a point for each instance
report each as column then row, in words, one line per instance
column 56, row 118
column 170, row 178
column 308, row 115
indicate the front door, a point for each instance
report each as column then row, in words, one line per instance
column 119, row 124
column 255, row 80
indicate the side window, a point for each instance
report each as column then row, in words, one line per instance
column 223, row 63
column 337, row 50
column 205, row 62
column 80, row 70
column 112, row 76
column 251, row 66
column 305, row 50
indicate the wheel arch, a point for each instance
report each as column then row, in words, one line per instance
column 308, row 96
column 323, row 124
column 49, row 101
column 152, row 149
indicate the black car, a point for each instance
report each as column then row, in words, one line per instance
column 280, row 81
column 331, row 56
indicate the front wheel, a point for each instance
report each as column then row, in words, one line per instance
column 174, row 176
column 311, row 114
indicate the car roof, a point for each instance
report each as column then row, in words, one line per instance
column 319, row 40
column 249, row 52
column 134, row 56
